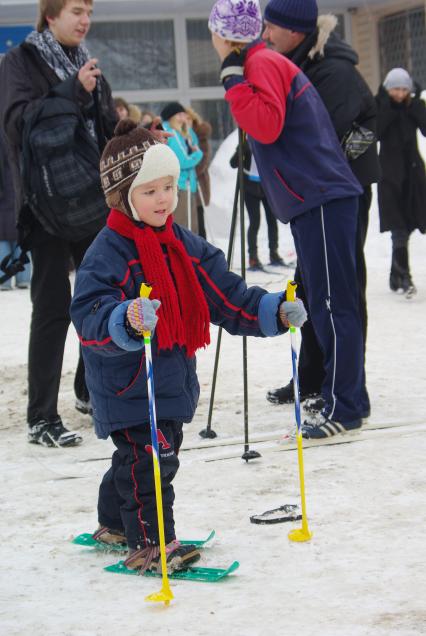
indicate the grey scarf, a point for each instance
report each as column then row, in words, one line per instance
column 63, row 65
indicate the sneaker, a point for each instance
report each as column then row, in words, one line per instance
column 285, row 395
column 410, row 291
column 179, row 557
column 321, row 427
column 314, row 405
column 83, row 406
column 109, row 536
column 52, row 434
column 395, row 282
column 275, row 259
column 255, row 265
column 22, row 285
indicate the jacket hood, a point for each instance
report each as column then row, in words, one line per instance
column 329, row 44
column 203, row 130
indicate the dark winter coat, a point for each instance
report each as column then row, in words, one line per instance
column 203, row 132
column 330, row 64
column 110, row 275
column 298, row 155
column 8, row 231
column 402, row 189
column 25, row 78
column 250, row 186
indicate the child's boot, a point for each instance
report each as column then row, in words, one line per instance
column 179, row 557
column 109, row 536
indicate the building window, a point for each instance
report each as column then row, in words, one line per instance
column 204, row 64
column 340, row 26
column 402, row 38
column 218, row 114
column 135, row 55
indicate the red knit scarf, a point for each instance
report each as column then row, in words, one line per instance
column 184, row 316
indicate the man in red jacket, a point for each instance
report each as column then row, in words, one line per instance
column 309, row 184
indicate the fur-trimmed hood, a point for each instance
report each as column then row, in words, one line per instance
column 329, row 44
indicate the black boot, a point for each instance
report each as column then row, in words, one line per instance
column 400, row 278
column 275, row 258
column 254, row 264
column 285, row 394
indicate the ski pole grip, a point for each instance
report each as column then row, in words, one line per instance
column 145, row 292
column 291, row 291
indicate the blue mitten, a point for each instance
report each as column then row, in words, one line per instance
column 141, row 315
column 293, row 313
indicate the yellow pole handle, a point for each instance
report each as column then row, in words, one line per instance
column 145, row 292
column 291, row 291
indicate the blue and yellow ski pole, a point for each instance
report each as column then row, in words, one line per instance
column 165, row 595
column 303, row 533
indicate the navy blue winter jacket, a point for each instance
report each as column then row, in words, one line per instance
column 107, row 280
column 297, row 152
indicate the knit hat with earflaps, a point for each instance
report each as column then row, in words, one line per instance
column 236, row 20
column 297, row 15
column 398, row 78
column 133, row 157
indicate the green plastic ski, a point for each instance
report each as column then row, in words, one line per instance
column 208, row 575
column 86, row 539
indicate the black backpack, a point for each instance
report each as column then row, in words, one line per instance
column 60, row 170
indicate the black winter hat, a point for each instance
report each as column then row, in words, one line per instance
column 296, row 15
column 173, row 108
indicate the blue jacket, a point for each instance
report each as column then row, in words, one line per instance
column 187, row 161
column 301, row 164
column 108, row 279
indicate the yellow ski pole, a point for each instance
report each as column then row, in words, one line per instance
column 303, row 533
column 165, row 595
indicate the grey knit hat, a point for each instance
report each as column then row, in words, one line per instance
column 398, row 78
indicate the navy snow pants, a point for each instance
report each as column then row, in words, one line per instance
column 127, row 492
column 324, row 238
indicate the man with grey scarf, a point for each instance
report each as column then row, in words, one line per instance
column 52, row 56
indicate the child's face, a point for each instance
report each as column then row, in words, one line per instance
column 398, row 94
column 153, row 201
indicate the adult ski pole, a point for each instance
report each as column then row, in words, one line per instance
column 247, row 454
column 303, row 533
column 208, row 432
column 189, row 206
column 165, row 595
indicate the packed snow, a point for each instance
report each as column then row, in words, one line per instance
column 362, row 573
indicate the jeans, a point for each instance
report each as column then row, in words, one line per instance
column 22, row 278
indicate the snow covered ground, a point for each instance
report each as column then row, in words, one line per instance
column 363, row 572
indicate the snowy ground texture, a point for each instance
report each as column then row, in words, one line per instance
column 363, row 572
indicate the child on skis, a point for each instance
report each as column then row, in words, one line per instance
column 191, row 287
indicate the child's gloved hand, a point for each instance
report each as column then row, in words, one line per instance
column 141, row 315
column 293, row 313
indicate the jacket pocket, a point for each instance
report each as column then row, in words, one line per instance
column 134, row 379
column 287, row 187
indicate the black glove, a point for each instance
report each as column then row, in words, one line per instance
column 233, row 64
